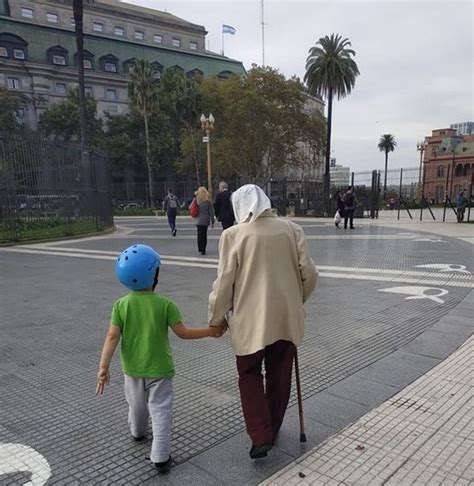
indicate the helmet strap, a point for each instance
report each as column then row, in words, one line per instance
column 155, row 280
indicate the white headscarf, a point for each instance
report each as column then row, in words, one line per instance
column 249, row 202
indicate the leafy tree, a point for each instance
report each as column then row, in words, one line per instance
column 260, row 125
column 330, row 71
column 9, row 107
column 142, row 90
column 62, row 120
column 386, row 144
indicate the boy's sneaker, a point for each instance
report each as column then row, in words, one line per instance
column 138, row 439
column 163, row 467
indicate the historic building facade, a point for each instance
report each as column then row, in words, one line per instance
column 38, row 59
column 449, row 164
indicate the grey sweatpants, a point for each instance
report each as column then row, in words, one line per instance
column 151, row 397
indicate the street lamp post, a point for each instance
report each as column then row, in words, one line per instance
column 207, row 125
column 421, row 147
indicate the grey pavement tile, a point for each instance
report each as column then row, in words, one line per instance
column 452, row 328
column 389, row 374
column 462, row 312
column 363, row 391
column 460, row 320
column 230, row 462
column 434, row 344
column 333, row 411
column 289, row 437
column 182, row 474
column 410, row 360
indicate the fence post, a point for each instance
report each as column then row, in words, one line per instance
column 400, row 194
column 446, row 195
column 352, row 179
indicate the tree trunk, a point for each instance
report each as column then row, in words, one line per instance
column 148, row 162
column 78, row 21
column 385, row 176
column 327, row 175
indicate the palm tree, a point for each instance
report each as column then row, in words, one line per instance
column 330, row 71
column 78, row 10
column 386, row 144
column 142, row 91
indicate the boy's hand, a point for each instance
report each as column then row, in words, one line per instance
column 217, row 331
column 103, row 378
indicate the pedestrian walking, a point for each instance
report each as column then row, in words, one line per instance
column 350, row 204
column 223, row 206
column 140, row 320
column 204, row 218
column 461, row 203
column 264, row 276
column 171, row 205
column 339, row 209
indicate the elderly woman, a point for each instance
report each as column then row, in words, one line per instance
column 204, row 218
column 265, row 275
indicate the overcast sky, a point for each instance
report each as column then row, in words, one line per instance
column 415, row 59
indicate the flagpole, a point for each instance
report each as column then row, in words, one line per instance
column 222, row 29
column 263, row 35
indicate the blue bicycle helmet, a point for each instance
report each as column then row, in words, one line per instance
column 136, row 267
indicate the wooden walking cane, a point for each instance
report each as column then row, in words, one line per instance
column 300, row 398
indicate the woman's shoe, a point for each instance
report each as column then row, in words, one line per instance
column 260, row 451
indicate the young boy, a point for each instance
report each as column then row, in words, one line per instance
column 141, row 319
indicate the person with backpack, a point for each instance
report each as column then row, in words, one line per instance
column 350, row 203
column 171, row 205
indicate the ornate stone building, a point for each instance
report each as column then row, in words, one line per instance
column 38, row 59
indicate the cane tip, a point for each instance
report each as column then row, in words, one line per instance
column 302, row 437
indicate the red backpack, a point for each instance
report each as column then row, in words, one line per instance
column 194, row 209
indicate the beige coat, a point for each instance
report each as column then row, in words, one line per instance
column 265, row 274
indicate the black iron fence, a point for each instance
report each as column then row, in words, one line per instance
column 49, row 190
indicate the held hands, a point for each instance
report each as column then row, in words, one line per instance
column 217, row 331
column 103, row 378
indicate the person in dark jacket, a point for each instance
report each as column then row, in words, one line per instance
column 223, row 206
column 350, row 203
column 171, row 205
column 204, row 219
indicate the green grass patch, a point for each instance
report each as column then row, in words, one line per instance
column 26, row 230
column 134, row 212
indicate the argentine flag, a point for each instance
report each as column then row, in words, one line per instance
column 228, row 29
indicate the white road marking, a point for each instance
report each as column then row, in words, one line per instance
column 446, row 267
column 16, row 458
column 343, row 273
column 417, row 292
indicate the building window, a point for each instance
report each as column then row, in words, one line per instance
column 440, row 171
column 139, row 35
column 87, row 64
column 111, row 94
column 176, row 42
column 88, row 90
column 61, row 89
column 98, row 27
column 193, row 46
column 13, row 83
column 119, row 31
column 52, row 17
column 158, row 39
column 110, row 67
column 59, row 60
column 3, row 52
column 26, row 12
column 18, row 53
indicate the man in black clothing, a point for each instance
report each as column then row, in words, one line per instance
column 350, row 203
column 171, row 205
column 223, row 206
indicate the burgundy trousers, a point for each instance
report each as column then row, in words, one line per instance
column 264, row 408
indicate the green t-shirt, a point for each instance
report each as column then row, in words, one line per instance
column 143, row 319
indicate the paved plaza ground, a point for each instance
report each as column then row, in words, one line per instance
column 393, row 301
